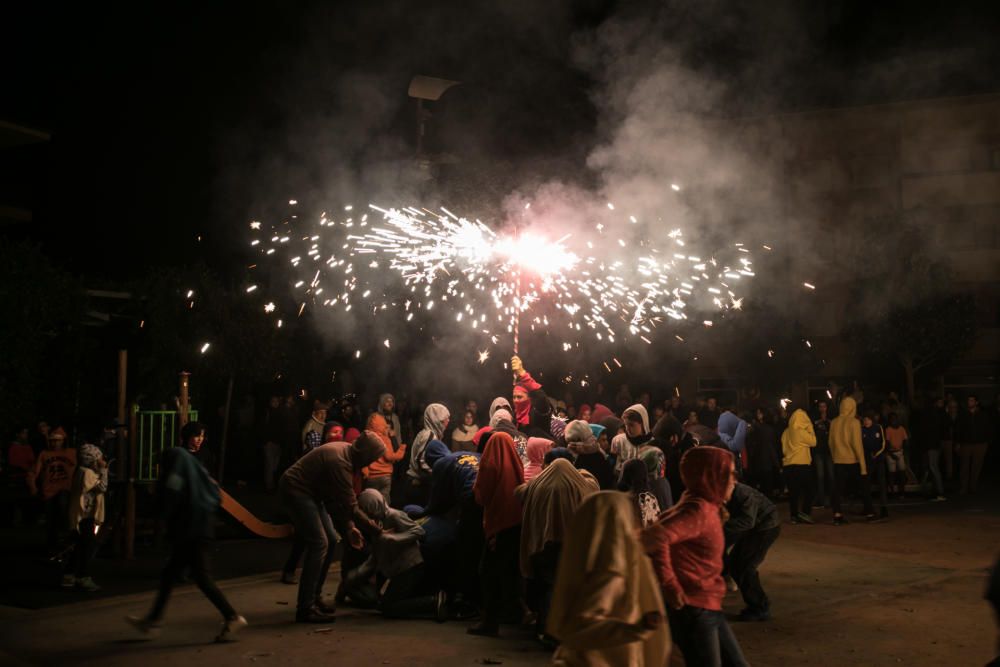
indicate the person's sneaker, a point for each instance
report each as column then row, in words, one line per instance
column 731, row 585
column 325, row 607
column 804, row 518
column 484, row 630
column 145, row 626
column 289, row 578
column 230, row 629
column 840, row 521
column 938, row 499
column 754, row 615
column 68, row 581
column 313, row 615
column 441, row 607
column 87, row 584
column 794, row 520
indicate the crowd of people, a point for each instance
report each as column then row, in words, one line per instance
column 614, row 533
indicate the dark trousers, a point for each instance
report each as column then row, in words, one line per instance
column 86, row 540
column 294, row 555
column 191, row 555
column 745, row 557
column 800, row 489
column 56, row 518
column 822, row 462
column 877, row 471
column 407, row 595
column 313, row 524
column 499, row 571
column 847, row 476
column 705, row 638
column 543, row 579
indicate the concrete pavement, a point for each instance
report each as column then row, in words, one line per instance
column 904, row 592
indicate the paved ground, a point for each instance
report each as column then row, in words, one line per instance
column 905, row 592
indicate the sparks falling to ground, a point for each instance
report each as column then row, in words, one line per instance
column 614, row 286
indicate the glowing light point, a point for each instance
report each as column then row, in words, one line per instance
column 204, row 348
column 483, row 356
column 269, row 308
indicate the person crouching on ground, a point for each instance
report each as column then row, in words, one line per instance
column 396, row 557
column 86, row 513
column 686, row 545
column 752, row 528
column 323, row 480
column 606, row 604
column 188, row 498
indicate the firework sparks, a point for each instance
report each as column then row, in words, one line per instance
column 204, row 348
column 489, row 280
column 483, row 356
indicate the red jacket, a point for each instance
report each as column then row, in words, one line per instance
column 688, row 553
column 686, row 543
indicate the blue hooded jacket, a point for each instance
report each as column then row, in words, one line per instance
column 733, row 432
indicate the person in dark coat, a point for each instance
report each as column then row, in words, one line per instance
column 188, row 499
column 752, row 528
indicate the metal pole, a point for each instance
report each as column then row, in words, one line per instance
column 517, row 309
column 184, row 399
column 130, row 490
column 120, row 431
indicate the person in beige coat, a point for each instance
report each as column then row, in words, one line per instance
column 606, row 606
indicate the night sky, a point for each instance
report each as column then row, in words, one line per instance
column 171, row 122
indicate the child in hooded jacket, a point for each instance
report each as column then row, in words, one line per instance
column 686, row 545
column 86, row 513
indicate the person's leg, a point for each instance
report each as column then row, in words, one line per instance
column 294, row 558
column 705, row 644
column 933, row 465
column 948, row 457
column 509, row 552
column 822, row 491
column 977, row 456
column 744, row 561
column 202, row 577
column 330, row 537
column 840, row 475
column 84, row 548
column 793, row 479
column 865, row 488
column 729, row 647
column 880, row 480
column 492, row 596
column 305, row 513
column 470, row 550
column 964, row 467
column 180, row 556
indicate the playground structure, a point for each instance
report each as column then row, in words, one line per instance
column 151, row 432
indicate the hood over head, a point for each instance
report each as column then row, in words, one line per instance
column 373, row 504
column 435, row 416
column 88, row 455
column 558, row 453
column 537, row 449
column 799, row 420
column 848, row 407
column 640, row 410
column 382, row 399
column 706, row 472
column 501, row 415
column 366, row 449
column 500, row 403
column 579, row 438
column 599, row 412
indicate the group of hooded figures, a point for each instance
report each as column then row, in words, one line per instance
column 547, row 521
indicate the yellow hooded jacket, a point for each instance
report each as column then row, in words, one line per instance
column 797, row 440
column 845, row 436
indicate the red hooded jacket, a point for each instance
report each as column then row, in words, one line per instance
column 686, row 542
column 500, row 472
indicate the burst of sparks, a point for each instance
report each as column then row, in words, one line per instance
column 483, row 356
column 784, row 402
column 269, row 308
column 489, row 280
column 255, row 225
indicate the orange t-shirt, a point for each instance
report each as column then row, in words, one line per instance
column 55, row 468
column 896, row 436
